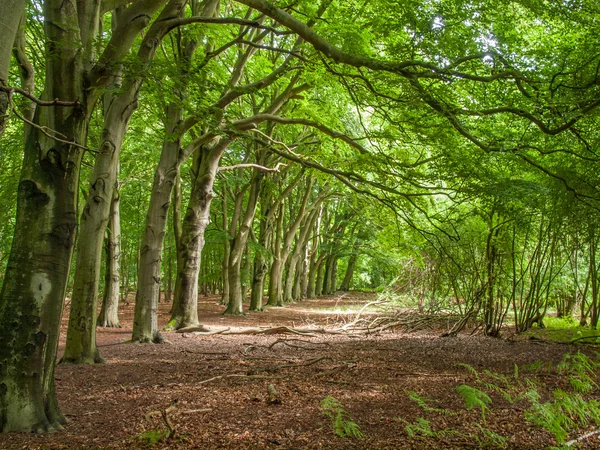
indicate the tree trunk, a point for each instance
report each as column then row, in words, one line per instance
column 165, row 177
column 109, row 313
column 37, row 270
column 226, row 250
column 300, row 279
column 281, row 255
column 11, row 12
column 345, row 286
column 319, row 269
column 238, row 245
column 81, row 347
column 274, row 293
column 197, row 218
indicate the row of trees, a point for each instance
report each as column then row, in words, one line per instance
column 303, row 120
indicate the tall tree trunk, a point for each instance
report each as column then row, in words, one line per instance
column 260, row 261
column 166, row 176
column 37, row 270
column 11, row 12
column 274, row 293
column 238, row 245
column 345, row 286
column 261, row 266
column 297, row 293
column 109, row 313
column 299, row 253
column 81, row 346
column 81, row 332
column 281, row 256
column 320, row 270
column 197, row 218
column 226, row 250
column 333, row 286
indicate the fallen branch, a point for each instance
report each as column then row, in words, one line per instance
column 583, row 338
column 238, row 375
column 288, row 342
column 582, row 437
column 195, row 411
column 164, row 413
column 272, row 369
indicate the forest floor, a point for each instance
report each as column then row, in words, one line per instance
column 108, row 404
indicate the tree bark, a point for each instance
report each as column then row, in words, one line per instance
column 298, row 254
column 109, row 313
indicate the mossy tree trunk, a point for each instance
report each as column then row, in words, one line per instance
column 36, row 275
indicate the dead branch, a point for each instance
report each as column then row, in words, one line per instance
column 164, row 414
column 582, row 437
column 196, row 411
column 273, row 369
column 287, row 342
column 583, row 338
column 47, row 131
column 239, row 375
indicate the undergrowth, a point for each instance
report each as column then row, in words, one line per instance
column 564, row 412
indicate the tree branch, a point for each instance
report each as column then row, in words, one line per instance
column 10, row 90
column 255, row 166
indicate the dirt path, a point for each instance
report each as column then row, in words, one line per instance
column 107, row 404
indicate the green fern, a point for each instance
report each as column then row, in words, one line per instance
column 341, row 422
column 422, row 428
column 475, row 398
column 581, row 370
column 415, row 397
column 470, row 369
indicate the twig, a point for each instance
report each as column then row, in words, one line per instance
column 164, row 413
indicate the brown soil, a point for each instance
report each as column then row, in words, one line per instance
column 107, row 404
